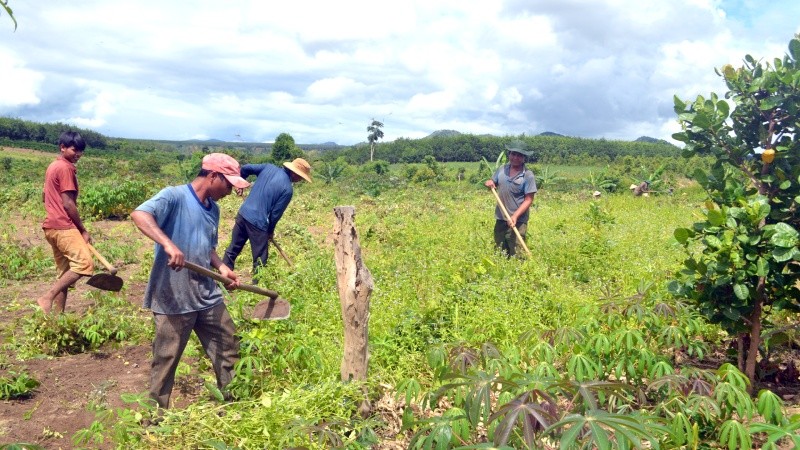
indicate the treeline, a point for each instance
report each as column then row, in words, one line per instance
column 472, row 148
column 45, row 133
column 547, row 149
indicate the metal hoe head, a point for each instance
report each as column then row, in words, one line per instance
column 272, row 309
column 105, row 281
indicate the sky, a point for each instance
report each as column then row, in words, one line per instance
column 322, row 71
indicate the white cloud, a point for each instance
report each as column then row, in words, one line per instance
column 19, row 83
column 321, row 70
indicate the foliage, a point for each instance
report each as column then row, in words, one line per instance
column 21, row 260
column 626, row 394
column 332, row 171
column 742, row 257
column 601, row 181
column 585, row 325
column 17, row 385
column 54, row 335
column 546, row 177
column 546, row 150
column 4, row 4
column 375, row 134
column 25, row 130
column 113, row 200
column 284, row 148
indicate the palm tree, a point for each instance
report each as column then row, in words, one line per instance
column 375, row 133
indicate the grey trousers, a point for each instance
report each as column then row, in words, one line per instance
column 504, row 237
column 215, row 329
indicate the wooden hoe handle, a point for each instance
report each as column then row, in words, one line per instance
column 245, row 287
column 508, row 218
column 105, row 262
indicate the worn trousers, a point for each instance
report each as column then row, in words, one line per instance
column 259, row 243
column 504, row 237
column 215, row 329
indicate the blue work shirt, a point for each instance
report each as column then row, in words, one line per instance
column 269, row 195
column 192, row 226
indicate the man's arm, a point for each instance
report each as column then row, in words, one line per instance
column 68, row 199
column 146, row 223
column 526, row 203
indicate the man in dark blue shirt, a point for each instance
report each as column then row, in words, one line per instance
column 262, row 209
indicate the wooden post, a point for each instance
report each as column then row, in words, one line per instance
column 355, row 287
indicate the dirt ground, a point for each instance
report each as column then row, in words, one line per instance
column 58, row 407
column 69, row 384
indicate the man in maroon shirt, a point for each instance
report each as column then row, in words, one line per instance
column 63, row 227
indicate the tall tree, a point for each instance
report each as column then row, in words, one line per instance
column 742, row 259
column 284, row 148
column 375, row 133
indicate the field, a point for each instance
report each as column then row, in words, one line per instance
column 457, row 331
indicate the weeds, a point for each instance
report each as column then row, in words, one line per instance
column 17, row 385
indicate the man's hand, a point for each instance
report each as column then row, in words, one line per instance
column 490, row 184
column 226, row 272
column 176, row 256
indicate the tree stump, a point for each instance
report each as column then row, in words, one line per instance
column 355, row 287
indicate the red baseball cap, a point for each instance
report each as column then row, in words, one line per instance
column 226, row 165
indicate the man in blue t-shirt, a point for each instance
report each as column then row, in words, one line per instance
column 516, row 187
column 183, row 221
column 263, row 208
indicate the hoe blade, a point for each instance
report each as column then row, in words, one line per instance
column 105, row 281
column 272, row 309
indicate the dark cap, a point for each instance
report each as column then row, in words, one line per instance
column 518, row 147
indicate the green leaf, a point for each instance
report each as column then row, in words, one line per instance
column 770, row 406
column 682, row 235
column 735, row 435
column 762, row 267
column 741, row 291
column 785, row 235
column 783, row 254
column 715, row 217
column 794, row 50
column 723, row 108
column 713, row 242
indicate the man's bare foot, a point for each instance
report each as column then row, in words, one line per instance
column 45, row 304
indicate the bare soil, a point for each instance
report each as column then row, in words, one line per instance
column 71, row 384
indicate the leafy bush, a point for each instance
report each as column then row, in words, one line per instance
column 17, row 385
column 45, row 334
column 108, row 200
column 19, row 260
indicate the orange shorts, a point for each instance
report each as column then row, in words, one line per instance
column 70, row 251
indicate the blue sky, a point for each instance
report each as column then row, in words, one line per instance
column 320, row 71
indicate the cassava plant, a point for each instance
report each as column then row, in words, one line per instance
column 743, row 256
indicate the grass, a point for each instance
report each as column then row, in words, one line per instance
column 439, row 284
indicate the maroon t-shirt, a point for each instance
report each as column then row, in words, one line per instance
column 61, row 176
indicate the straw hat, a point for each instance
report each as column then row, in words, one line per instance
column 301, row 167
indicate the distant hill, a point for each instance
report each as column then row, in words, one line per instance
column 550, row 133
column 444, row 133
column 651, row 140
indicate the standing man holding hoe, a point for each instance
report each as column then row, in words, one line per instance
column 516, row 186
column 63, row 227
column 264, row 207
column 183, row 221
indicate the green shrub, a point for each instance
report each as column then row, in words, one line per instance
column 109, row 200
